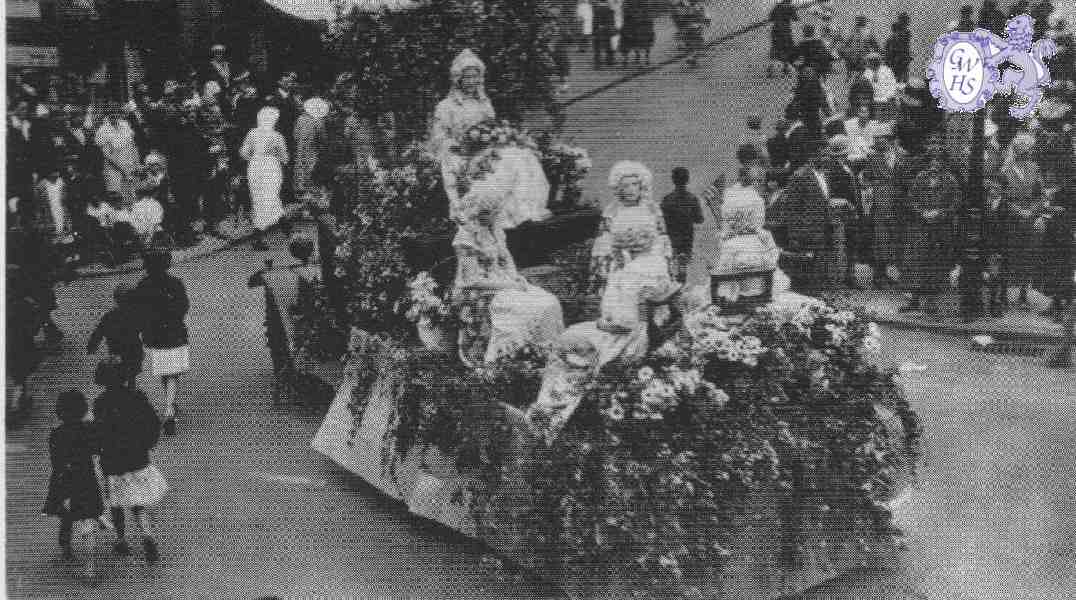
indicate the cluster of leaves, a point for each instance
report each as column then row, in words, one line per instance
column 662, row 453
column 405, row 57
column 318, row 330
column 389, row 210
column 457, row 409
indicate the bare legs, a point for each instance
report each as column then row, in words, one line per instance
column 149, row 543
column 170, row 383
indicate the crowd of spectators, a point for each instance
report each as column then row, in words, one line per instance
column 880, row 178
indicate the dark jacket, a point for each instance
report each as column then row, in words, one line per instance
column 119, row 328
column 162, row 304
column 127, row 428
column 71, row 450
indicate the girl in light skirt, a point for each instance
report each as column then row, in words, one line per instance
column 162, row 302
column 128, row 429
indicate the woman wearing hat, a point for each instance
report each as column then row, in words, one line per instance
column 858, row 45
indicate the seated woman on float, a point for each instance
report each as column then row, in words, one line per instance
column 487, row 279
column 620, row 334
column 633, row 207
column 515, row 171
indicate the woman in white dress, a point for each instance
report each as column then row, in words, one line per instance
column 744, row 244
column 633, row 207
column 517, row 172
column 500, row 309
column 266, row 152
column 621, row 333
column 116, row 139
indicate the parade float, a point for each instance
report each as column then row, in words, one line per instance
column 521, row 366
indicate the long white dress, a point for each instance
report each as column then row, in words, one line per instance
column 265, row 151
column 563, row 384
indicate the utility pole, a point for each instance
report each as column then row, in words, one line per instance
column 973, row 258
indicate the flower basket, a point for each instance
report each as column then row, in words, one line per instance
column 436, row 336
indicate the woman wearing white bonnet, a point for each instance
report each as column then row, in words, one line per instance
column 632, row 207
column 266, row 152
column 309, row 142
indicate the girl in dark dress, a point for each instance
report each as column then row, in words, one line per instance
column 128, row 429
column 162, row 303
column 782, row 44
column 638, row 30
column 73, row 493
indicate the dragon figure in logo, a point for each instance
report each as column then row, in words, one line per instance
column 1030, row 74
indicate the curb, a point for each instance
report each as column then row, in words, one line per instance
column 972, row 329
column 136, row 265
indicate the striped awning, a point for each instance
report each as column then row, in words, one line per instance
column 324, row 10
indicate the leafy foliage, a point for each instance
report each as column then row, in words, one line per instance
column 388, row 210
column 402, row 60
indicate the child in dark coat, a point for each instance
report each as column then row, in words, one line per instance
column 74, row 494
column 682, row 211
column 119, row 328
column 128, row 429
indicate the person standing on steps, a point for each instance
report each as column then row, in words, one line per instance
column 162, row 303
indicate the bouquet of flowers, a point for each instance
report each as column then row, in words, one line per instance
column 424, row 302
column 492, row 134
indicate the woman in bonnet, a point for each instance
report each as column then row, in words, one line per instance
column 516, row 170
column 500, row 309
column 633, row 207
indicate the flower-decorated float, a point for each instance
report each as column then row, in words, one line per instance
column 664, row 448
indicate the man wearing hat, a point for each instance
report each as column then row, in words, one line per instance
column 885, row 165
column 814, row 257
column 844, row 189
column 777, row 145
column 898, row 48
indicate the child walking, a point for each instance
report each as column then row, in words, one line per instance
column 74, row 494
column 119, row 328
column 128, row 428
column 682, row 211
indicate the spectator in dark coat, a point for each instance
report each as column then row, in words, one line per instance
column 898, row 50
column 188, row 169
column 782, row 44
column 777, row 145
column 74, row 494
column 814, row 257
column 119, row 329
column 162, row 303
column 128, row 429
column 604, row 29
column 809, row 101
column 682, row 212
column 812, row 52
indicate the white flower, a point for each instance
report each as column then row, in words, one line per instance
column 615, row 411
column 717, row 395
column 646, row 374
column 838, row 335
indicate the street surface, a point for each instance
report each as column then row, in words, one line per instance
column 254, row 510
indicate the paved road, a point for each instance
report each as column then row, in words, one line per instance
column 255, row 511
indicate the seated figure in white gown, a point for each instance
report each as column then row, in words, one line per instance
column 515, row 170
column 745, row 246
column 500, row 309
column 632, row 207
column 620, row 333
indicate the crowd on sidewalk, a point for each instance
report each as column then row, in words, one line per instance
column 880, row 177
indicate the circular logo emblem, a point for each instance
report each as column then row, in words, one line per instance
column 960, row 76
